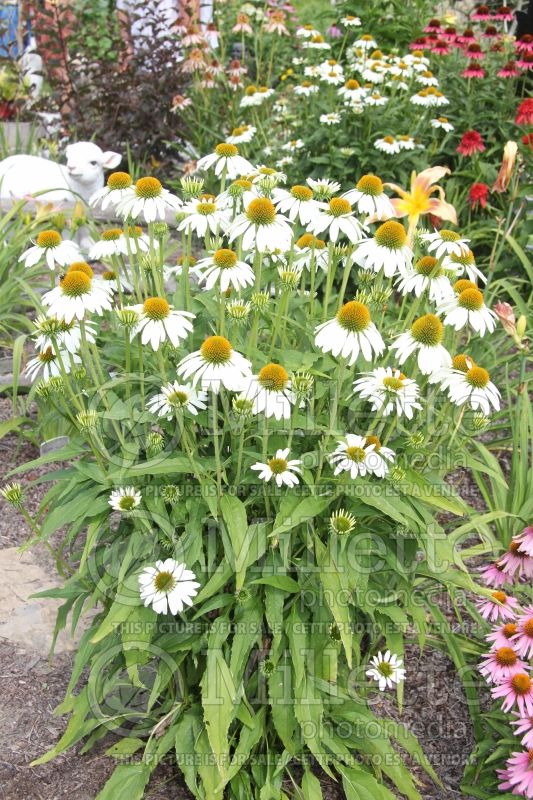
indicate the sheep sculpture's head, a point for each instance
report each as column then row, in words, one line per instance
column 86, row 163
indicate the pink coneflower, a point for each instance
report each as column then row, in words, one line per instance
column 525, row 43
column 194, row 61
column 242, row 25
column 525, row 61
column 501, row 606
column 527, row 140
column 500, row 664
column 518, row 774
column 441, row 47
column 474, row 51
column 478, row 195
column 522, row 641
column 524, row 112
column 514, row 561
column 481, row 13
column 525, row 539
column 508, row 70
column 179, row 102
column 418, row 44
column 471, row 143
column 490, row 32
column 504, row 14
column 524, row 725
column 467, row 36
column 450, row 34
column 493, row 574
column 193, row 38
column 473, row 71
column 433, row 26
column 502, row 635
column 276, row 23
column 236, row 68
column 515, row 690
column 333, row 32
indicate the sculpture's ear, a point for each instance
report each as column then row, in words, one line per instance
column 111, row 160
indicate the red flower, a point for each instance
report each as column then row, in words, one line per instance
column 524, row 112
column 527, row 140
column 478, row 195
column 471, row 143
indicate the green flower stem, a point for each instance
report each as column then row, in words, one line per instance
column 239, row 456
column 312, row 270
column 216, row 442
column 332, row 263
column 185, row 287
column 345, row 277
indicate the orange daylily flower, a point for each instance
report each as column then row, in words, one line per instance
column 506, row 170
column 418, row 199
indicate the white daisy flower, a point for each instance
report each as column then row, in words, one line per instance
column 369, row 198
column 168, row 587
column 376, row 99
column 175, row 398
column 337, row 218
column 297, row 204
column 159, row 322
column 378, row 460
column 292, row 145
column 52, row 249
column 323, row 188
column 242, row 134
column 350, row 332
column 352, row 91
column 407, row 143
column 468, row 308
column 386, row 670
column 445, row 243
column 113, row 193
column 387, row 250
column 111, row 243
column 47, row 364
column 311, row 250
column 425, row 337
column 149, row 199
column 268, row 178
column 352, row 455
column 306, row 32
column 226, row 161
column 388, row 390
column 233, row 197
column 426, row 275
column 125, row 499
column 203, row 215
column 282, row 470
column 224, row 268
column 134, row 239
column 429, row 98
column 443, row 123
column 316, row 43
column 475, row 387
column 214, row 365
column 306, row 89
column 365, row 42
column 66, row 335
column 260, row 226
column 426, row 78
column 333, row 118
column 270, row 392
column 350, row 21
column 76, row 295
column 464, row 263
column 387, row 144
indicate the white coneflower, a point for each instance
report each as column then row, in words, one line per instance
column 369, row 198
column 351, row 455
column 306, row 89
column 389, row 390
column 267, row 178
column 463, row 263
column 352, row 91
column 224, row 268
column 387, row 144
column 52, row 249
column 270, row 391
column 306, row 32
column 425, row 336
column 387, row 250
column 175, row 398
column 149, row 199
column 323, row 188
column 292, row 145
column 134, row 239
column 297, row 204
column 386, row 670
column 226, row 161
column 111, row 243
column 311, row 250
column 113, row 192
column 242, row 134
column 260, row 226
column 468, row 308
column 125, row 499
column 337, row 218
column 376, row 99
column 333, row 118
column 202, row 215
column 159, row 322
column 215, row 365
column 426, row 275
column 350, row 21
column 67, row 335
column 429, row 98
column 47, row 364
column 284, row 471
column 365, row 42
column 378, row 460
column 168, row 587
column 443, row 123
column 76, row 295
column 475, row 387
column 409, row 143
column 445, row 243
column 350, row 332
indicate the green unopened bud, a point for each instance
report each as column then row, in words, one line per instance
column 192, row 187
column 415, row 441
column 397, row 474
column 171, row 494
column 334, row 632
column 155, row 442
column 243, row 596
column 238, row 310
column 521, row 326
column 12, row 494
column 57, row 384
column 480, row 422
column 259, row 300
column 87, row 420
column 302, row 384
column 79, row 374
column 160, row 230
column 242, row 407
column 290, row 277
column 267, row 667
column 127, row 317
column 180, row 216
column 365, row 278
column 58, row 221
column 342, row 522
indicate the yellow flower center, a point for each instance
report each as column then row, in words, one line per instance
column 509, row 629
column 370, row 184
column 506, row 656
column 356, row 454
column 442, row 119
column 240, row 131
column 178, row 398
column 354, row 316
column 448, row 236
column 501, row 597
column 46, row 356
column 226, row 150
column 216, row 350
column 389, row 139
column 521, row 683
column 462, row 284
column 134, row 231
column 164, row 582
column 81, row 266
column 527, row 627
column 111, row 234
column 277, row 465
column 391, row 235
column 462, row 362
column 109, row 275
column 301, row 192
column 261, row 211
column 148, row 188
column 466, row 259
column 375, row 440
column 471, row 299
column 48, row 239
column 75, row 283
column 205, row 208
column 338, row 206
column 426, row 266
column 392, row 383
column 352, row 84
column 119, row 180
column 225, row 259
column 156, row 308
column 428, row 330
column 273, row 377
column 477, row 377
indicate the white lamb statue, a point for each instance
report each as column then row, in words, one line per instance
column 23, row 176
